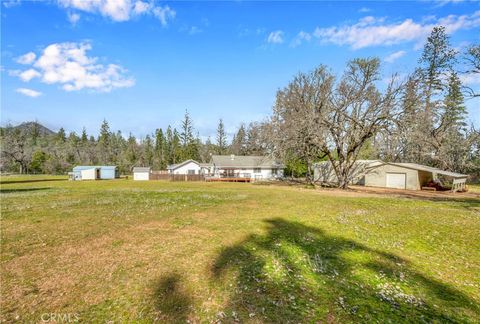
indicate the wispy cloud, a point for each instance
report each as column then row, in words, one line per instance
column 26, row 58
column 73, row 18
column 67, row 64
column 275, row 37
column 441, row 3
column 10, row 3
column 120, row 10
column 470, row 79
column 372, row 31
column 394, row 56
column 29, row 92
column 301, row 37
column 364, row 10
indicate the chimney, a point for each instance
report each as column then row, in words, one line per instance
column 232, row 157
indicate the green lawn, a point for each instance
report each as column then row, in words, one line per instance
column 160, row 251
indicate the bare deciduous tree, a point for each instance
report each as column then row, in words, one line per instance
column 315, row 117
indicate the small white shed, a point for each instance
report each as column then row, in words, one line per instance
column 90, row 174
column 141, row 173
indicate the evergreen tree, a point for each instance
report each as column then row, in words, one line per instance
column 131, row 152
column 186, row 135
column 454, row 108
column 160, row 150
column 61, row 136
column 221, row 138
column 84, row 137
column 239, row 142
column 103, row 145
column 437, row 59
column 148, row 151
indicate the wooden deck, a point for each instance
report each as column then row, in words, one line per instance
column 228, row 179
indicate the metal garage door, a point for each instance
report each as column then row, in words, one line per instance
column 396, row 180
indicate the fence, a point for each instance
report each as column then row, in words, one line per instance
column 176, row 177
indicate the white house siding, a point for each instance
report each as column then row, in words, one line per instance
column 189, row 166
column 141, row 176
column 89, row 174
column 263, row 174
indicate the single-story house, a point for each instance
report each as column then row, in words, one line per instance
column 141, row 173
column 94, row 172
column 186, row 167
column 238, row 166
column 375, row 173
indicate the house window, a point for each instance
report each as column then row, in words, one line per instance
column 257, row 170
column 274, row 171
column 191, row 171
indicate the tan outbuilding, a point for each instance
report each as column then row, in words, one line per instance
column 374, row 173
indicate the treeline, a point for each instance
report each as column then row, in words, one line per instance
column 420, row 118
column 28, row 148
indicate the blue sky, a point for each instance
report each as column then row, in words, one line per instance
column 139, row 64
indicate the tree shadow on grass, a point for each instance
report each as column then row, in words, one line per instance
column 297, row 273
column 171, row 300
column 6, row 191
column 29, row 181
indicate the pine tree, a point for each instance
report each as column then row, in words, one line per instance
column 61, row 136
column 103, row 145
column 84, row 137
column 455, row 112
column 148, row 151
column 437, row 59
column 160, row 150
column 131, row 152
column 239, row 141
column 186, row 135
column 221, row 138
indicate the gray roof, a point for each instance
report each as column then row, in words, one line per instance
column 176, row 166
column 420, row 167
column 88, row 167
column 242, row 161
column 141, row 169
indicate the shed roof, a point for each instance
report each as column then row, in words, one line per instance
column 178, row 165
column 141, row 169
column 421, row 167
column 88, row 167
column 243, row 161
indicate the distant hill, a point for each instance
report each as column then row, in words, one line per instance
column 30, row 127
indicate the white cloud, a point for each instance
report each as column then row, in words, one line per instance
column 28, row 75
column 29, row 92
column 364, row 10
column 470, row 79
column 394, row 56
column 441, row 3
column 26, row 58
column 275, row 37
column 10, row 3
column 300, row 38
column 164, row 14
column 371, row 31
column 120, row 10
column 73, row 18
column 67, row 64
column 194, row 30
column 141, row 7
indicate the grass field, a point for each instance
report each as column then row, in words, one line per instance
column 204, row 252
